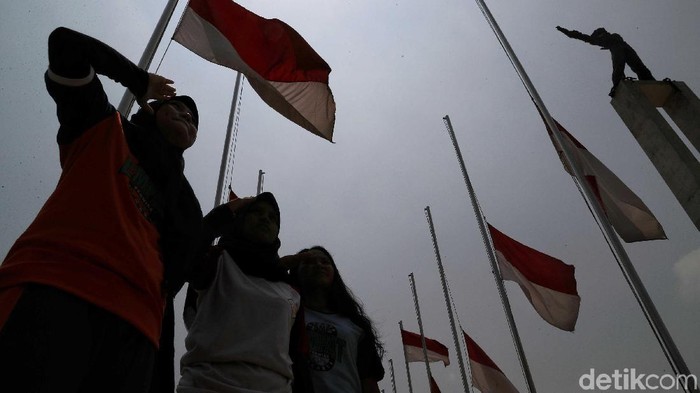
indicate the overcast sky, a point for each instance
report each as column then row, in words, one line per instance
column 399, row 66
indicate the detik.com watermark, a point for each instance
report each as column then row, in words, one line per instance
column 629, row 379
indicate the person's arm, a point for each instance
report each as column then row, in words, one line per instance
column 74, row 59
column 575, row 34
column 214, row 224
column 369, row 366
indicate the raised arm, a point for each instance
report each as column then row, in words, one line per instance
column 75, row 55
column 74, row 59
column 216, row 223
column 575, row 34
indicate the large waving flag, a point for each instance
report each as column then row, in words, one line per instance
column 486, row 376
column 548, row 283
column 626, row 212
column 413, row 348
column 280, row 65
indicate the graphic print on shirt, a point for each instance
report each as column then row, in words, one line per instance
column 143, row 192
column 326, row 348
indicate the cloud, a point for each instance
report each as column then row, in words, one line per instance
column 687, row 270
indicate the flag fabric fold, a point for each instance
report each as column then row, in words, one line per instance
column 486, row 376
column 548, row 283
column 630, row 217
column 413, row 348
column 280, row 65
column 433, row 386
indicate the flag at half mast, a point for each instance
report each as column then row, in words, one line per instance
column 630, row 217
column 280, row 65
column 413, row 348
column 486, row 376
column 548, row 283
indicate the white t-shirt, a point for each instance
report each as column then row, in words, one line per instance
column 239, row 339
column 333, row 342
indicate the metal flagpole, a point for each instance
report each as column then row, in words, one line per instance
column 458, row 348
column 393, row 379
column 667, row 345
column 261, row 179
column 420, row 326
column 148, row 53
column 228, row 142
column 494, row 265
column 405, row 358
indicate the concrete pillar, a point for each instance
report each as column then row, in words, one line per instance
column 636, row 103
column 683, row 107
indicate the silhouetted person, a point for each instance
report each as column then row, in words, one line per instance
column 620, row 51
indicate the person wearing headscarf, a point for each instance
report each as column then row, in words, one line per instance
column 240, row 310
column 84, row 288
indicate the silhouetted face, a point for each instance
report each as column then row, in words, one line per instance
column 316, row 270
column 175, row 121
column 260, row 223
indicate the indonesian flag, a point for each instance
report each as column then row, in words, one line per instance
column 280, row 65
column 486, row 376
column 413, row 348
column 548, row 283
column 626, row 212
column 433, row 386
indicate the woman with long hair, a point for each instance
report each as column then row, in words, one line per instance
column 345, row 354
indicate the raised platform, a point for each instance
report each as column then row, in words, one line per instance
column 636, row 102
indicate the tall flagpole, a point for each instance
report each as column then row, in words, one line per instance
column 228, row 141
column 261, row 180
column 148, row 53
column 393, row 379
column 494, row 265
column 420, row 326
column 405, row 358
column 657, row 325
column 458, row 348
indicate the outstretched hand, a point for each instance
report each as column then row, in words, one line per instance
column 563, row 30
column 159, row 88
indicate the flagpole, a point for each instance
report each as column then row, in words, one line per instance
column 657, row 325
column 228, row 141
column 492, row 259
column 128, row 99
column 466, row 347
column 420, row 326
column 405, row 358
column 393, row 379
column 261, row 179
column 447, row 300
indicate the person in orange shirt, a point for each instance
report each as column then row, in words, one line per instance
column 83, row 289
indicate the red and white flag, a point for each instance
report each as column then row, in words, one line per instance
column 413, row 348
column 433, row 386
column 626, row 212
column 486, row 376
column 548, row 283
column 280, row 65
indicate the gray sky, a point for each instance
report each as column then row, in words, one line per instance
column 399, row 67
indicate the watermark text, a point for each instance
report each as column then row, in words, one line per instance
column 629, row 379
